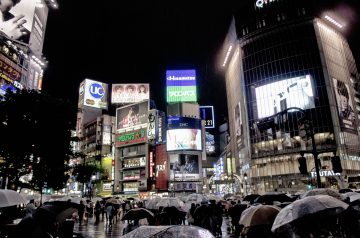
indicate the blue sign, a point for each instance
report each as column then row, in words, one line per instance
column 96, row 90
column 183, row 123
column 207, row 114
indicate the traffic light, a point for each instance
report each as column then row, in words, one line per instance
column 336, row 164
column 302, row 165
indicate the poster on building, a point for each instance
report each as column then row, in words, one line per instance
column 184, row 166
column 347, row 117
column 161, row 168
column 38, row 28
column 132, row 115
column 239, row 130
column 129, row 93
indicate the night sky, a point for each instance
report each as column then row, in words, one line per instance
column 152, row 36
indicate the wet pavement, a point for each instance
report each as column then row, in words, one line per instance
column 103, row 230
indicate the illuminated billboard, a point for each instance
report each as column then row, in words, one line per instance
column 207, row 114
column 24, row 21
column 181, row 86
column 132, row 115
column 161, row 171
column 347, row 117
column 131, row 137
column 95, row 94
column 276, row 97
column 184, row 166
column 183, row 133
column 129, row 93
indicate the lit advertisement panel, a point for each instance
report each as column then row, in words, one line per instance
column 161, row 169
column 131, row 137
column 181, row 86
column 276, row 97
column 209, row 143
column 24, row 13
column 38, row 28
column 129, row 93
column 132, row 115
column 4, row 85
column 95, row 94
column 183, row 139
column 184, row 166
column 207, row 114
column 183, row 133
column 8, row 70
column 81, row 94
column 345, row 107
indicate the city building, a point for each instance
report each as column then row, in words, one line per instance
column 284, row 54
column 21, row 60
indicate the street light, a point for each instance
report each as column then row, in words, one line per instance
column 268, row 123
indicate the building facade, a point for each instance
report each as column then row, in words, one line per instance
column 282, row 55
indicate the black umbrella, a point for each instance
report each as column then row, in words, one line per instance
column 269, row 199
column 137, row 214
column 251, row 197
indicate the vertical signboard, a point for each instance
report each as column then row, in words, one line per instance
column 151, row 125
column 347, row 117
column 207, row 114
column 161, row 172
column 38, row 28
column 181, row 86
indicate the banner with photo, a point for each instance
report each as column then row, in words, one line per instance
column 132, row 115
column 184, row 166
column 130, row 93
column 347, row 117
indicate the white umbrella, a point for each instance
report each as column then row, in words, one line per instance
column 170, row 202
column 114, row 201
column 308, row 206
column 323, row 191
column 10, row 198
column 151, row 204
column 353, row 196
column 196, row 198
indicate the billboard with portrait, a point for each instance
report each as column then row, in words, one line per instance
column 95, row 94
column 347, row 117
column 129, row 93
column 183, row 133
column 25, row 18
column 276, row 97
column 181, row 86
column 132, row 115
column 184, row 166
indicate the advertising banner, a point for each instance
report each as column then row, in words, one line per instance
column 38, row 28
column 9, row 71
column 95, row 94
column 18, row 20
column 81, row 94
column 183, row 139
column 184, row 166
column 160, row 128
column 347, row 117
column 106, row 164
column 239, row 130
column 207, row 114
column 130, row 93
column 132, row 115
column 152, row 125
column 131, row 137
column 134, row 162
column 161, row 168
column 181, row 86
column 276, row 97
column 183, row 123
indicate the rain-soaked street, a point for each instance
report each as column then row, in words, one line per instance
column 102, row 230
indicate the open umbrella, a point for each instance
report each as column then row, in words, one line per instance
column 308, row 206
column 196, row 198
column 352, row 196
column 169, row 202
column 323, row 191
column 250, row 198
column 151, row 204
column 114, row 201
column 137, row 214
column 11, row 198
column 176, row 231
column 259, row 215
column 269, row 199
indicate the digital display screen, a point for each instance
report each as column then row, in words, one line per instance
column 181, row 86
column 183, row 139
column 276, row 97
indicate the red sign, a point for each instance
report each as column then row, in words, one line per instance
column 151, row 162
column 162, row 168
column 9, row 73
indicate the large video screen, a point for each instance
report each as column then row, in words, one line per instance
column 183, row 139
column 276, row 97
column 184, row 167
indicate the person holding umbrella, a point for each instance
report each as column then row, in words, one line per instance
column 81, row 211
column 97, row 212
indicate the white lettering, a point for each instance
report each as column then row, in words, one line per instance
column 174, row 78
column 182, row 94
